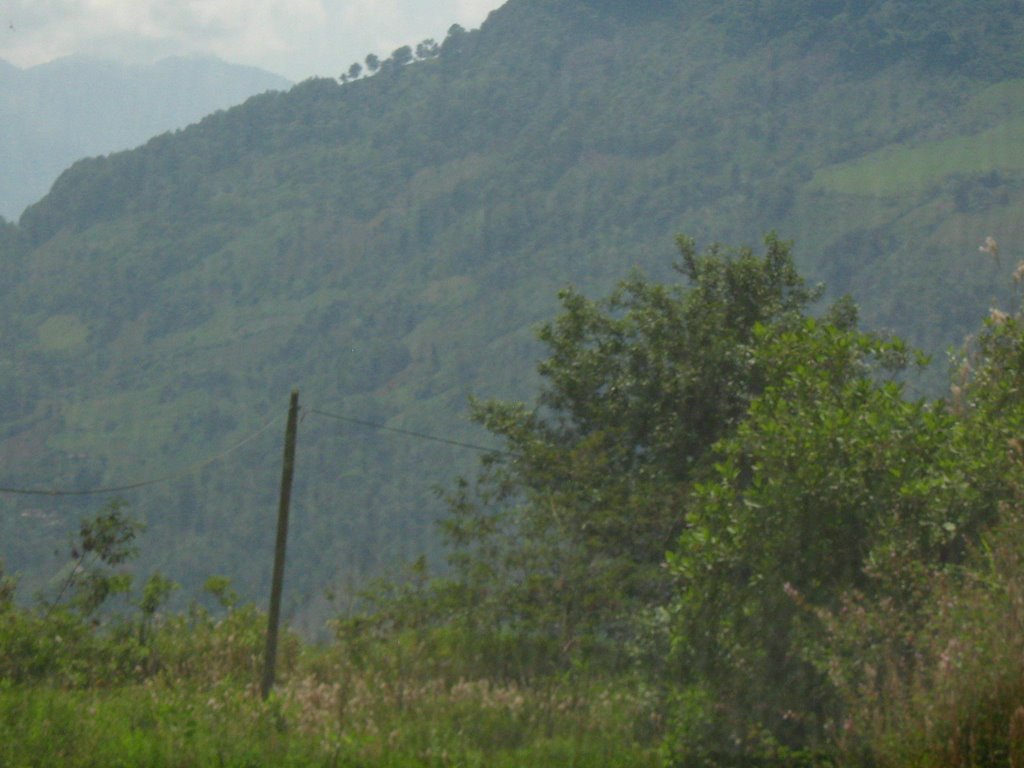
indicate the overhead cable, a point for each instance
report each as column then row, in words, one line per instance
column 410, row 433
column 142, row 483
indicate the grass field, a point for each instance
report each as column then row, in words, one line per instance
column 909, row 170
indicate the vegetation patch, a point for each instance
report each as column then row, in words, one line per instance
column 832, row 575
column 453, row 290
column 905, row 170
column 62, row 333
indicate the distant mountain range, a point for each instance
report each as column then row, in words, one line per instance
column 389, row 244
column 56, row 113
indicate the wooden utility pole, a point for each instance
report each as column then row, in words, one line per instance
column 274, row 616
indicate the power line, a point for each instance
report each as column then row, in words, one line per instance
column 410, row 433
column 55, row 492
column 143, row 483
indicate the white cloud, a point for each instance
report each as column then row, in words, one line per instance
column 297, row 38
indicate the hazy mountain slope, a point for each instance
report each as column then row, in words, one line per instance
column 388, row 244
column 56, row 113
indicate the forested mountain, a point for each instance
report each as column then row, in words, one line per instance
column 56, row 113
column 387, row 245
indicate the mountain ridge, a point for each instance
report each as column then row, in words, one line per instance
column 79, row 106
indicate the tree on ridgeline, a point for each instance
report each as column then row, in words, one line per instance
column 428, row 49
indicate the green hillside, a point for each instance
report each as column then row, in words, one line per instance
column 387, row 246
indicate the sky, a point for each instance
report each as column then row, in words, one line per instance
column 294, row 38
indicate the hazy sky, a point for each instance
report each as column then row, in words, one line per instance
column 294, row 38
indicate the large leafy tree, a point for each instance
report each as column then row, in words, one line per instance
column 562, row 539
column 836, row 484
column 926, row 657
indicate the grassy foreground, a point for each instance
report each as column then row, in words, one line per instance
column 188, row 696
column 470, row 724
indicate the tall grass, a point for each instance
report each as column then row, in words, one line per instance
column 191, row 699
column 946, row 690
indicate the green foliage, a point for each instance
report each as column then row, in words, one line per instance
column 185, row 693
column 831, row 533
column 843, row 582
column 155, row 592
column 388, row 245
column 160, row 725
column 828, row 561
column 910, row 170
column 562, row 540
column 666, row 371
column 217, row 266
column 220, row 588
column 940, row 686
column 828, row 465
column 7, row 586
column 105, row 540
column 62, row 333
column 926, row 658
